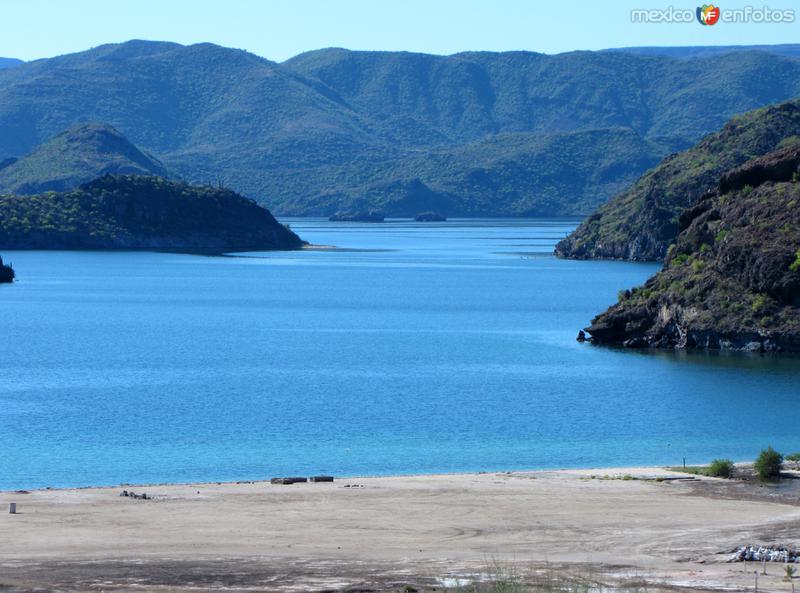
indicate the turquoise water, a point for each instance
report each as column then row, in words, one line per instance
column 418, row 348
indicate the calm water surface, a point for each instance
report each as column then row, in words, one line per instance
column 418, row 348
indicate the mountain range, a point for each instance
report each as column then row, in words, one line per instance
column 493, row 134
column 704, row 51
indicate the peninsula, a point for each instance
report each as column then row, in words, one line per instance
column 139, row 212
column 731, row 280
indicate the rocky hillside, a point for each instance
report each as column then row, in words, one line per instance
column 134, row 212
column 732, row 278
column 80, row 154
column 514, row 133
column 641, row 222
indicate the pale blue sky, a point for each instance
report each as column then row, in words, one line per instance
column 277, row 30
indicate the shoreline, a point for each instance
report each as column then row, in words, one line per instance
column 380, row 532
column 565, row 470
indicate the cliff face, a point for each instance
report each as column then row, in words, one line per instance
column 640, row 223
column 133, row 212
column 732, row 278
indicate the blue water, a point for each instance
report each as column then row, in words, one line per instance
column 418, row 348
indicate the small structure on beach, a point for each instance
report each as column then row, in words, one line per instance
column 300, row 480
column 287, row 481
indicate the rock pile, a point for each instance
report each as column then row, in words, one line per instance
column 765, row 553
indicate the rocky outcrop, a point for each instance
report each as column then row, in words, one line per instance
column 641, row 223
column 731, row 281
column 134, row 212
column 7, row 273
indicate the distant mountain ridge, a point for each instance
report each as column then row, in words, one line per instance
column 78, row 155
column 9, row 62
column 705, row 51
column 512, row 134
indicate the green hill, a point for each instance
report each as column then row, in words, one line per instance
column 342, row 123
column 732, row 278
column 641, row 222
column 519, row 174
column 135, row 212
column 80, row 154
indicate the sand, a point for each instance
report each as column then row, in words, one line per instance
column 389, row 531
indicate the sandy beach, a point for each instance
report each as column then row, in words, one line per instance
column 383, row 533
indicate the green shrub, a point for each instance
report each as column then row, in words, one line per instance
column 789, row 141
column 789, row 572
column 769, row 464
column 760, row 303
column 795, row 267
column 680, row 259
column 721, row 468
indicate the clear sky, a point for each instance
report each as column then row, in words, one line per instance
column 277, row 30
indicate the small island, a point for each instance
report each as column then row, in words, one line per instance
column 6, row 272
column 430, row 217
column 362, row 216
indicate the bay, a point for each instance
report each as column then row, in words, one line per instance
column 409, row 348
